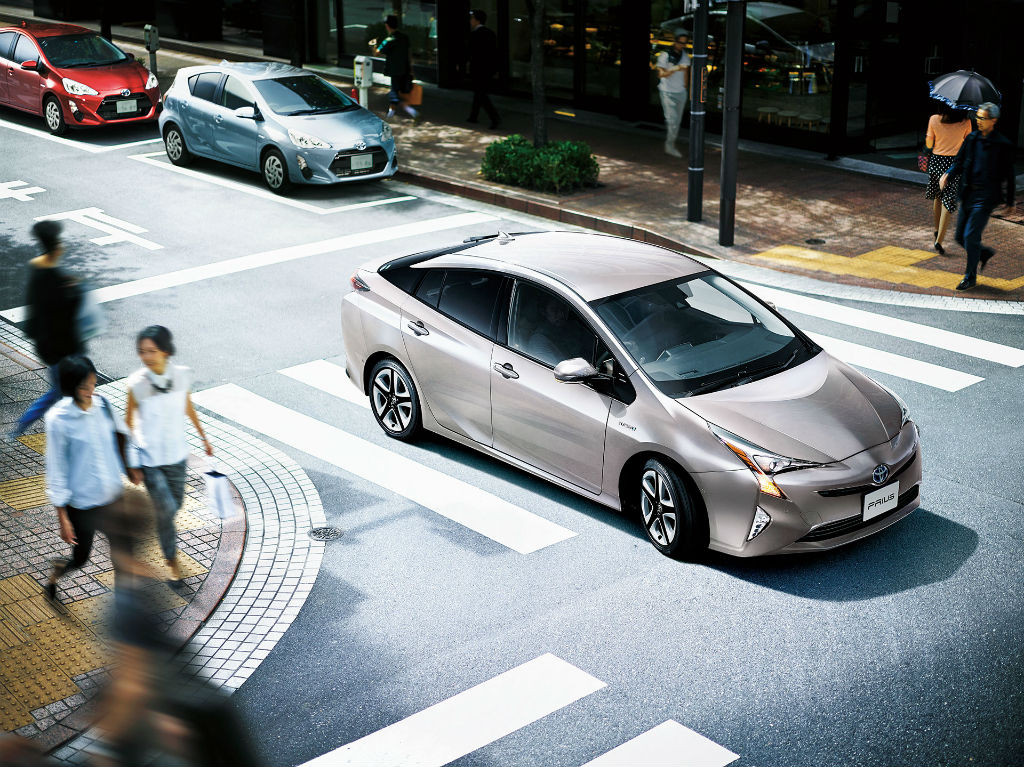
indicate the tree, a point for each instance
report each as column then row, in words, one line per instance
column 537, row 11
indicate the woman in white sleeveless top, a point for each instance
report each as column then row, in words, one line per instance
column 158, row 402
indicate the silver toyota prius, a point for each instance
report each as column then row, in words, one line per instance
column 639, row 378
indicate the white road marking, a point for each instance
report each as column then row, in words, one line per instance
column 894, row 364
column 330, row 378
column 18, row 190
column 470, row 720
column 670, row 744
column 454, row 499
column 84, row 147
column 892, row 326
column 116, row 229
column 269, row 257
column 266, row 194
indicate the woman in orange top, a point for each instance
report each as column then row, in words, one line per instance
column 946, row 133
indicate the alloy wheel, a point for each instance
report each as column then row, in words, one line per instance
column 174, row 145
column 392, row 400
column 659, row 508
column 273, row 171
column 52, row 115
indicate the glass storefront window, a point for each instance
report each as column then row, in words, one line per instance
column 603, row 45
column 559, row 48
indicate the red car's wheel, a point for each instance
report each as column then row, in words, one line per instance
column 54, row 116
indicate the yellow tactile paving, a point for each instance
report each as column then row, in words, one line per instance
column 13, row 713
column 93, row 611
column 35, row 442
column 11, row 632
column 889, row 264
column 18, row 587
column 24, row 492
column 46, row 686
column 69, row 645
column 20, row 662
column 29, row 612
column 149, row 553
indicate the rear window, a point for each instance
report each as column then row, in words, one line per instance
column 6, row 40
column 469, row 297
column 205, row 85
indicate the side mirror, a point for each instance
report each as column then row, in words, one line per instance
column 245, row 113
column 32, row 66
column 131, row 56
column 576, row 370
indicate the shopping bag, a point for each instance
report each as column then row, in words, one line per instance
column 218, row 492
column 414, row 97
column 90, row 320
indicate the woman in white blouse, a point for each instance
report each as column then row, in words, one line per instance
column 158, row 402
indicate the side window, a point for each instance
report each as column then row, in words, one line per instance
column 235, row 94
column 205, row 85
column 6, row 39
column 25, row 50
column 469, row 297
column 430, row 287
column 546, row 327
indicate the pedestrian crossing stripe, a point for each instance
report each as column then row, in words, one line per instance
column 329, row 378
column 469, row 506
column 670, row 744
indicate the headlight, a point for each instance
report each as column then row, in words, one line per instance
column 151, row 81
column 763, row 463
column 76, row 88
column 904, row 410
column 305, row 141
column 386, row 134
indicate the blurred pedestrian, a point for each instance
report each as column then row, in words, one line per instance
column 159, row 401
column 673, row 87
column 483, row 66
column 53, row 301
column 85, row 457
column 397, row 65
column 946, row 133
column 984, row 165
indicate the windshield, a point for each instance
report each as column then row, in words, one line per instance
column 82, row 50
column 701, row 333
column 303, row 95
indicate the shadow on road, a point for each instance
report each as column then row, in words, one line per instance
column 921, row 549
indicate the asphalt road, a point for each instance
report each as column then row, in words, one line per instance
column 903, row 649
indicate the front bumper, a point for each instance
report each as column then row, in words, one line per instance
column 824, row 505
column 111, row 108
column 332, row 166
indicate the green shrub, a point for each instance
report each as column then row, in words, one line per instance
column 558, row 166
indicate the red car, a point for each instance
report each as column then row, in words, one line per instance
column 72, row 76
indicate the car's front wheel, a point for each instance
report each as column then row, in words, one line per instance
column 672, row 520
column 275, row 171
column 175, row 146
column 54, row 116
column 394, row 401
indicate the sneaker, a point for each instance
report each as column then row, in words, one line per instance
column 51, row 592
column 985, row 256
column 969, row 281
column 671, row 150
column 390, row 114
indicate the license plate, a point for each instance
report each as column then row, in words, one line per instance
column 880, row 501
column 362, row 161
column 128, row 105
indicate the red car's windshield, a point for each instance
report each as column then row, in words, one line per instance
column 81, row 50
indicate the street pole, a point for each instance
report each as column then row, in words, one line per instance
column 731, row 119
column 698, row 98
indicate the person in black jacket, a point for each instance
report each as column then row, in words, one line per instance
column 397, row 65
column 483, row 65
column 984, row 164
column 53, row 300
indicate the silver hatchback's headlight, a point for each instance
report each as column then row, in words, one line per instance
column 386, row 134
column 305, row 141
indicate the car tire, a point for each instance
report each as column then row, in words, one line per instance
column 175, row 146
column 674, row 523
column 53, row 116
column 394, row 400
column 275, row 171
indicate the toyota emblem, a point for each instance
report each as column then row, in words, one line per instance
column 125, row 92
column 360, row 145
column 880, row 474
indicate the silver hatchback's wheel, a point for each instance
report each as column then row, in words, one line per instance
column 671, row 519
column 275, row 172
column 54, row 116
column 174, row 144
column 393, row 400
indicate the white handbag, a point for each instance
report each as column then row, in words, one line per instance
column 218, row 491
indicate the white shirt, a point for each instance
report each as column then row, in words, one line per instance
column 83, row 468
column 159, row 426
column 675, row 82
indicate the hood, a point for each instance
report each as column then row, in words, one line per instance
column 341, row 129
column 128, row 74
column 821, row 411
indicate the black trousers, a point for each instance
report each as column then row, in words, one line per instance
column 85, row 523
column 482, row 99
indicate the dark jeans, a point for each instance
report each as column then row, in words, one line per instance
column 38, row 408
column 166, row 486
column 482, row 99
column 85, row 523
column 974, row 212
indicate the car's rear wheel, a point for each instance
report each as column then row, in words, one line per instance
column 394, row 401
column 175, row 146
column 53, row 115
column 674, row 523
column 275, row 171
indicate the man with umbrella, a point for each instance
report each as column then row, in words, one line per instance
column 984, row 164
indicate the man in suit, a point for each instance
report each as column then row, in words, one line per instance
column 483, row 65
column 984, row 164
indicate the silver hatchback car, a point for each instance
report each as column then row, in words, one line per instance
column 639, row 378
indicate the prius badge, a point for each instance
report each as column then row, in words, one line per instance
column 880, row 474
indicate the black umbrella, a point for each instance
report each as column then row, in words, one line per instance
column 964, row 90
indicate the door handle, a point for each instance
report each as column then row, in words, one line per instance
column 417, row 328
column 506, row 370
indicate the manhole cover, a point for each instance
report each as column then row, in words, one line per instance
column 815, row 241
column 326, row 533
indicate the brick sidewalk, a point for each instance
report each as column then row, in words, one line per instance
column 54, row 658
